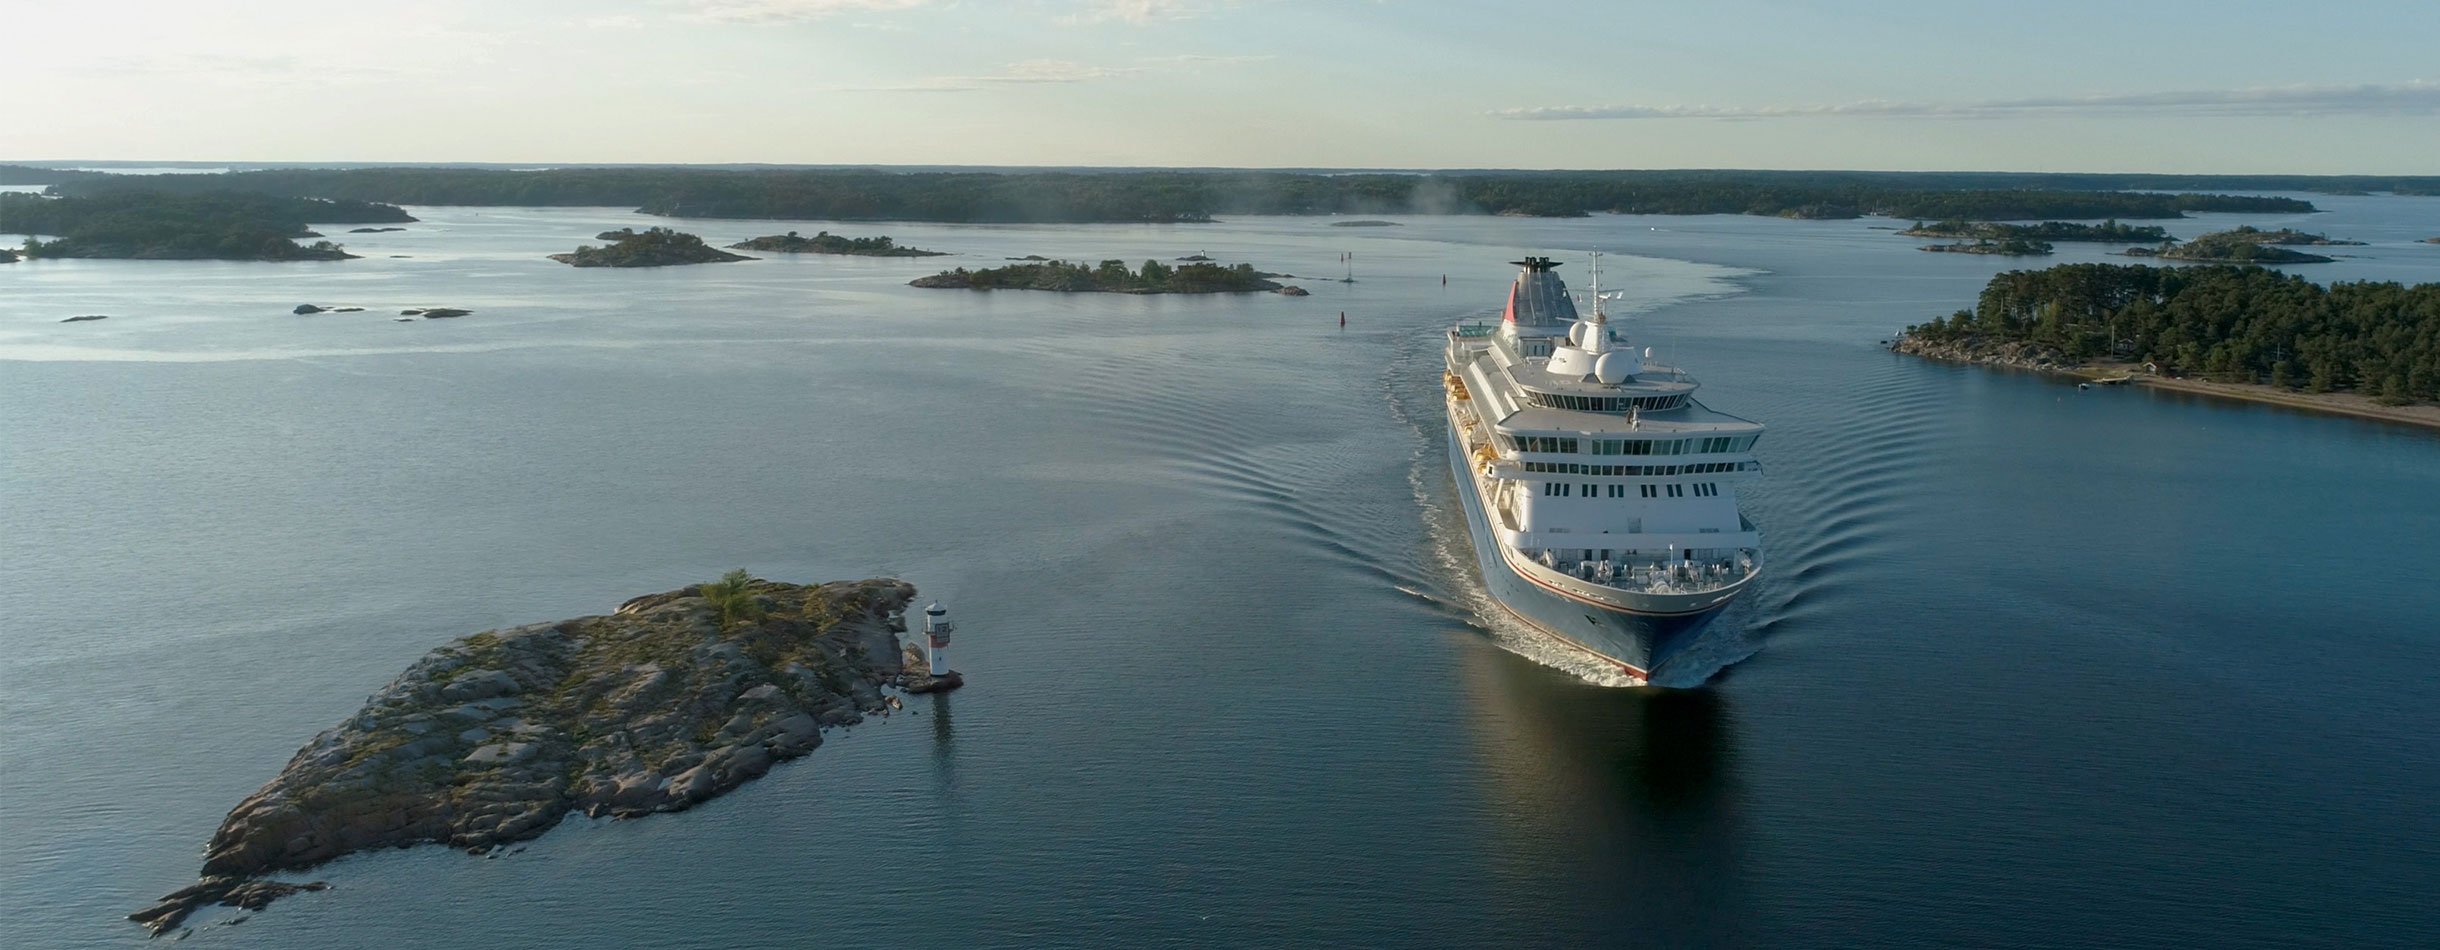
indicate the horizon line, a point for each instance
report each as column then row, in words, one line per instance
column 62, row 164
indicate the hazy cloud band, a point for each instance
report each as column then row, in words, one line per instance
column 2419, row 97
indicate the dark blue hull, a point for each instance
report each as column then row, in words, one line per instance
column 1641, row 643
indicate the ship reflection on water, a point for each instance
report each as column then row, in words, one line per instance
column 1618, row 807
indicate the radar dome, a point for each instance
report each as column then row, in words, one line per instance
column 1614, row 367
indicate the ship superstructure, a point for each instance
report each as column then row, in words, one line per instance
column 1601, row 496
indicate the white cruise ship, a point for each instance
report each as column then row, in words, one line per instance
column 1602, row 498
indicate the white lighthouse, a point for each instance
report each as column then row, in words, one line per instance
column 936, row 629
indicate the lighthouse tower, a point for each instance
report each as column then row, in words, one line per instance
column 936, row 629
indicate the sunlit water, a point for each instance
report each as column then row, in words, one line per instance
column 2032, row 666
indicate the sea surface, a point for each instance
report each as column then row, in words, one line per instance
column 2032, row 667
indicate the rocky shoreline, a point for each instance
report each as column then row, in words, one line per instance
column 2042, row 357
column 672, row 700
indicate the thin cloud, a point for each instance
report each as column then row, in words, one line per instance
column 786, row 11
column 1139, row 11
column 1050, row 71
column 783, row 11
column 2418, row 97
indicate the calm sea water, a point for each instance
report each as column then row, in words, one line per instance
column 2033, row 667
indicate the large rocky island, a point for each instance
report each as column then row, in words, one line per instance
column 2244, row 245
column 2107, row 232
column 828, row 243
column 1110, row 277
column 651, row 247
column 673, row 699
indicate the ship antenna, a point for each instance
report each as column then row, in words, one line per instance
column 1598, row 316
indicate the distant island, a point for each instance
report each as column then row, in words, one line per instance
column 652, row 247
column 1110, row 277
column 2431, row 240
column 2107, row 232
column 2290, row 236
column 7, row 256
column 2360, row 347
column 1197, row 196
column 675, row 699
column 2013, row 247
column 827, row 243
column 1367, row 223
column 2244, row 245
column 147, row 226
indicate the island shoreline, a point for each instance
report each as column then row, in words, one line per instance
column 2351, row 405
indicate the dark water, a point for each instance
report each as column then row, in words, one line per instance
column 2033, row 667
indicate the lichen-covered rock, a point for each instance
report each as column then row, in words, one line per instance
column 2022, row 354
column 498, row 736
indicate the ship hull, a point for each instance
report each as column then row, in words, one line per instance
column 1638, row 642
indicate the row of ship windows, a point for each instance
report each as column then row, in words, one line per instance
column 1703, row 446
column 1602, row 403
column 1568, row 489
column 1699, row 468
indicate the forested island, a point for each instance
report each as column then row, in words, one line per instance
column 1190, row 196
column 2012, row 247
column 1110, row 277
column 206, row 226
column 7, row 256
column 674, row 699
column 827, row 243
column 651, row 247
column 2244, row 245
column 2107, row 232
column 2239, row 325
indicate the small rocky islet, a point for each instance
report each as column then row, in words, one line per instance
column 671, row 700
column 651, row 247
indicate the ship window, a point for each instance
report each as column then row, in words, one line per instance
column 1677, row 491
column 1592, row 491
column 1648, row 490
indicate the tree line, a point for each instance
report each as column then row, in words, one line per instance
column 2239, row 324
column 150, row 225
column 1191, row 196
column 1111, row 276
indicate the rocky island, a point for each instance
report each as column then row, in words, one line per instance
column 827, row 243
column 2012, row 247
column 7, row 256
column 1110, row 277
column 673, row 699
column 652, row 247
column 2107, row 232
column 2245, row 245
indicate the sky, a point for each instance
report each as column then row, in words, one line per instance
column 2227, row 86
